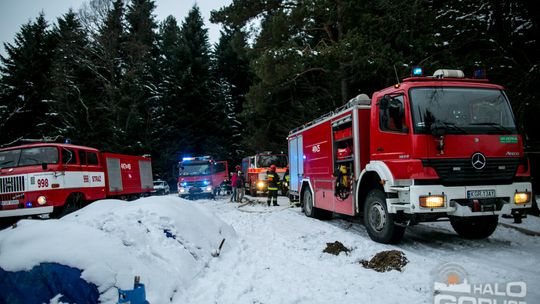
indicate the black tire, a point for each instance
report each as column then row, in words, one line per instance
column 73, row 203
column 474, row 228
column 379, row 223
column 310, row 211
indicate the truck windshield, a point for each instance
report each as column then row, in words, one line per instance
column 194, row 169
column 280, row 160
column 28, row 157
column 461, row 110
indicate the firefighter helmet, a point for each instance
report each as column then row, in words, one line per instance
column 273, row 167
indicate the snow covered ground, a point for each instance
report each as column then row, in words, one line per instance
column 271, row 254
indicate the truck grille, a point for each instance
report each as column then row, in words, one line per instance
column 458, row 171
column 199, row 184
column 11, row 184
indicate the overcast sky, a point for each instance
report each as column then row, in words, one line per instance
column 14, row 13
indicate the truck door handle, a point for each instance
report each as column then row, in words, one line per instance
column 380, row 149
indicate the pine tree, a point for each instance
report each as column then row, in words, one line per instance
column 139, row 83
column 169, row 136
column 73, row 83
column 202, row 116
column 25, row 83
column 110, row 61
column 234, row 79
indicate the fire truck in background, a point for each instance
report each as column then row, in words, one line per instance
column 201, row 176
column 256, row 166
column 45, row 178
column 429, row 148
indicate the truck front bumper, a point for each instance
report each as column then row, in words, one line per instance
column 26, row 211
column 193, row 191
column 458, row 200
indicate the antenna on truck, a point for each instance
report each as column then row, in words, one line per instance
column 395, row 72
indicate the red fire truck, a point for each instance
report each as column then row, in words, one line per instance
column 201, row 176
column 429, row 148
column 45, row 178
column 256, row 166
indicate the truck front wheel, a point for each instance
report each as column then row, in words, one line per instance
column 74, row 202
column 478, row 227
column 379, row 223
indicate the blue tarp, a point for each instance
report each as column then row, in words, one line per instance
column 43, row 283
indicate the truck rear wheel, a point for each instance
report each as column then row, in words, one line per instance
column 478, row 227
column 310, row 210
column 379, row 223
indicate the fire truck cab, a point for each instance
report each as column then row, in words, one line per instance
column 44, row 178
column 256, row 166
column 201, row 176
column 429, row 148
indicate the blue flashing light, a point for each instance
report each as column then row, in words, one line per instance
column 184, row 184
column 28, row 204
column 304, row 157
column 67, row 141
column 417, row 71
column 188, row 158
column 206, row 183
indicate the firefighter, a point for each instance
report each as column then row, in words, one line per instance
column 273, row 185
column 233, row 183
column 240, row 187
column 285, row 183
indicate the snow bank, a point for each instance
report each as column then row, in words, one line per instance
column 166, row 240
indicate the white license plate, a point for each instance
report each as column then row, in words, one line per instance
column 480, row 193
column 10, row 203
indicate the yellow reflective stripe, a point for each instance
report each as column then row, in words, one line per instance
column 272, row 188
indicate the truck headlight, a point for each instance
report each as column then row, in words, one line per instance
column 432, row 201
column 181, row 190
column 209, row 188
column 260, row 184
column 522, row 198
column 41, row 200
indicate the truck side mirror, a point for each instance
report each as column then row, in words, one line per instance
column 44, row 166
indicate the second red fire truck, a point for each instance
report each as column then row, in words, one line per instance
column 429, row 148
column 54, row 178
column 201, row 176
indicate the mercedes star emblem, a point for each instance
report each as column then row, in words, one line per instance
column 478, row 161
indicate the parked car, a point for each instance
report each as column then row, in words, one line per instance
column 161, row 188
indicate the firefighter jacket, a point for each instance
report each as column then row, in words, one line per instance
column 287, row 177
column 233, row 179
column 240, row 181
column 273, row 180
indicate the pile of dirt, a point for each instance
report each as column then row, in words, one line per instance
column 336, row 248
column 386, row 261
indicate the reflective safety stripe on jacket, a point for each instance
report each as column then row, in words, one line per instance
column 273, row 179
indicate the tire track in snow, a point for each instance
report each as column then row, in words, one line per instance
column 278, row 259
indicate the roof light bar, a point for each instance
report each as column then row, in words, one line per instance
column 449, row 74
